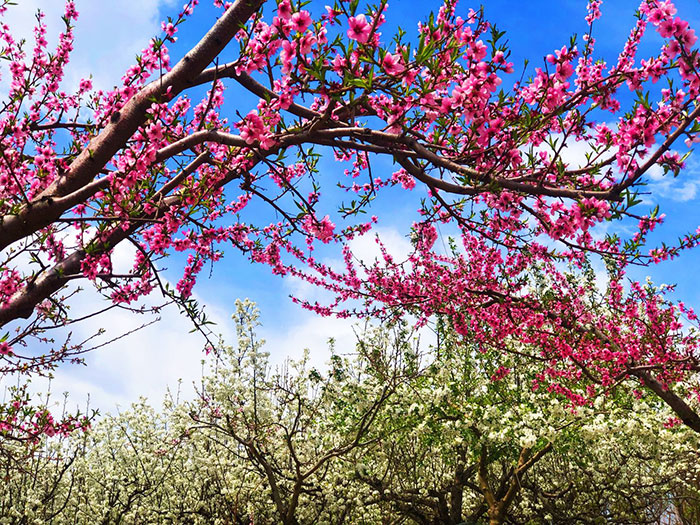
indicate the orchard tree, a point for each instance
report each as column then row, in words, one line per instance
column 466, row 440
column 289, row 426
column 398, row 433
column 144, row 164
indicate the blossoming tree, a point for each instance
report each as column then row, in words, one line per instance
column 398, row 433
column 83, row 173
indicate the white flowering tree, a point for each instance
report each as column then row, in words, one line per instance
column 395, row 434
column 473, row 444
column 290, row 427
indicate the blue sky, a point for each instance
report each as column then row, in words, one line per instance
column 109, row 34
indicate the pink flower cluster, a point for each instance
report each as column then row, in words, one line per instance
column 496, row 167
column 321, row 230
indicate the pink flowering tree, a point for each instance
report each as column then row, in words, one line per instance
column 144, row 164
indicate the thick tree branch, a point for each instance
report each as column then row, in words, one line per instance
column 22, row 303
column 124, row 123
column 684, row 411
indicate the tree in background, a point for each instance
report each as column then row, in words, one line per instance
column 144, row 164
column 399, row 433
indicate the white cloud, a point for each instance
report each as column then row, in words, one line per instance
column 683, row 188
column 108, row 35
column 661, row 186
column 366, row 249
column 144, row 362
column 309, row 331
column 306, row 330
column 573, row 153
column 149, row 361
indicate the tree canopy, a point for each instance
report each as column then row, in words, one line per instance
column 395, row 433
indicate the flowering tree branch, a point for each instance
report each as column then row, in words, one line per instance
column 152, row 169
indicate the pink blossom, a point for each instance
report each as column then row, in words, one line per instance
column 339, row 64
column 593, row 11
column 155, row 132
column 287, row 54
column 322, row 230
column 253, row 129
column 284, row 10
column 331, row 14
column 404, row 178
column 169, row 29
column 359, row 28
column 392, row 64
column 300, row 21
column 500, row 373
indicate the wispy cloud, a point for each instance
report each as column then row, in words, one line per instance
column 683, row 188
column 137, row 362
column 108, row 35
